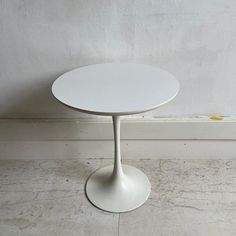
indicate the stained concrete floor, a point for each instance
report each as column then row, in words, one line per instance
column 189, row 198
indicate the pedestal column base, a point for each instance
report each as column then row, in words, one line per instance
column 122, row 194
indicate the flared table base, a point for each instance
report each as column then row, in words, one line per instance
column 118, row 193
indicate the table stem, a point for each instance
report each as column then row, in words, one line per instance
column 117, row 173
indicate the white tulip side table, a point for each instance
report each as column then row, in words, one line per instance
column 116, row 89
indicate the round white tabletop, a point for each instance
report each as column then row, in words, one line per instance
column 115, row 88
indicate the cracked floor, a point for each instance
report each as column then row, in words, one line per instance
column 188, row 198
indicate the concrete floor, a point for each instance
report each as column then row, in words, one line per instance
column 189, row 197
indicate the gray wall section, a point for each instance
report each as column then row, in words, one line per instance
column 195, row 40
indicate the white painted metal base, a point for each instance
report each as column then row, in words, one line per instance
column 121, row 194
column 118, row 188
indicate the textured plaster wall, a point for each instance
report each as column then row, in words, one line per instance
column 195, row 40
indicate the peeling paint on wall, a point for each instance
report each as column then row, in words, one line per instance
column 216, row 118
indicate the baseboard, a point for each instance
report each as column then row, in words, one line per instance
column 171, row 138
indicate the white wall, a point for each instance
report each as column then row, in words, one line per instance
column 41, row 39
